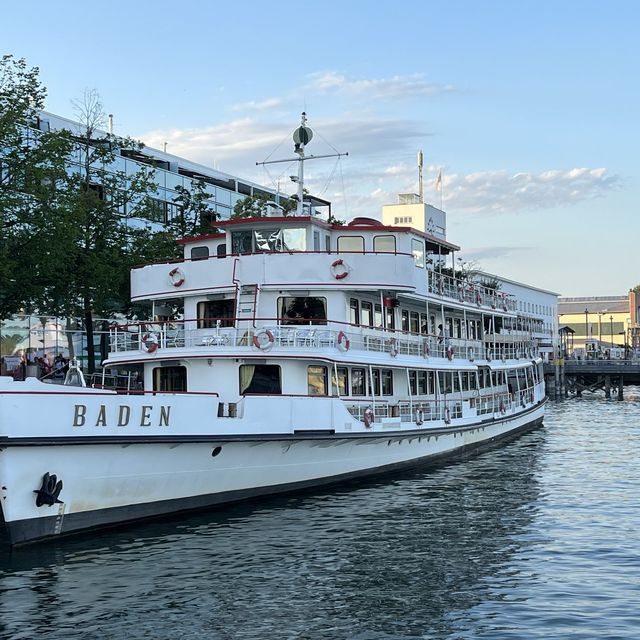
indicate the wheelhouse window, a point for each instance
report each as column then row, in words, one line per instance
column 354, row 311
column 417, row 249
column 366, row 311
column 302, row 310
column 317, row 380
column 268, row 239
column 351, row 243
column 260, row 379
column 384, row 244
column 172, row 378
column 199, row 253
column 341, row 383
column 241, row 242
column 210, row 312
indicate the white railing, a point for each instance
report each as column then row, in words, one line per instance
column 469, row 292
column 150, row 337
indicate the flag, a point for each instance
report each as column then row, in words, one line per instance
column 439, row 181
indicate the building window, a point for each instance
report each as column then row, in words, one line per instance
column 260, row 379
column 210, row 312
column 199, row 253
column 302, row 310
column 170, row 378
column 317, row 380
column 384, row 244
column 351, row 243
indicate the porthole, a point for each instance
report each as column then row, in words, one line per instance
column 216, row 451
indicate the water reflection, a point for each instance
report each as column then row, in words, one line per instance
column 385, row 559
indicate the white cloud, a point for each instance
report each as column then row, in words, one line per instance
column 393, row 88
column 261, row 105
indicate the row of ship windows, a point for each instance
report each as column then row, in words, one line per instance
column 354, row 381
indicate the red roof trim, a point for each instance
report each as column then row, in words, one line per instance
column 206, row 236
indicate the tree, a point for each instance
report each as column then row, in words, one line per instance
column 195, row 216
column 32, row 167
column 258, row 206
column 98, row 200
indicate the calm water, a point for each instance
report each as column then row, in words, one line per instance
column 538, row 539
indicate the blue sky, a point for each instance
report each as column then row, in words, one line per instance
column 530, row 109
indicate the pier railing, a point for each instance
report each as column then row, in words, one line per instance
column 269, row 335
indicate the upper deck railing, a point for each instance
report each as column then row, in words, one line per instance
column 273, row 334
column 469, row 292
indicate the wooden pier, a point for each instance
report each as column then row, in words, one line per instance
column 568, row 376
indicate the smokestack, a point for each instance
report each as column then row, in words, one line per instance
column 111, row 124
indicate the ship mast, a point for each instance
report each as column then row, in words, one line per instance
column 302, row 137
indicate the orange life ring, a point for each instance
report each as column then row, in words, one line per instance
column 340, row 269
column 149, row 342
column 450, row 352
column 176, row 277
column 263, row 340
column 343, row 342
column 369, row 417
column 393, row 347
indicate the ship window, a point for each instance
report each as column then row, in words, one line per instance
column 413, row 388
column 366, row 311
column 384, row 244
column 357, row 382
column 212, row 311
column 221, row 250
column 417, row 249
column 354, row 312
column 387, row 382
column 302, row 310
column 327, row 243
column 374, row 383
column 341, row 382
column 377, row 315
column 317, row 380
column 405, row 320
column 316, row 241
column 199, row 253
column 241, row 242
column 170, row 378
column 423, row 383
column 351, row 243
column 260, row 379
column 391, row 320
column 414, row 323
column 267, row 239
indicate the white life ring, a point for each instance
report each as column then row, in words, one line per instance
column 176, row 277
column 447, row 416
column 369, row 417
column 343, row 342
column 393, row 347
column 149, row 343
column 263, row 340
column 419, row 416
column 340, row 269
column 450, row 353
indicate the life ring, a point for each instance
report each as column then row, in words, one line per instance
column 450, row 353
column 369, row 417
column 503, row 408
column 263, row 340
column 447, row 416
column 393, row 347
column 343, row 342
column 419, row 416
column 340, row 269
column 176, row 277
column 149, row 342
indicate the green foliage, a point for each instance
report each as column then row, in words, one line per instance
column 333, row 220
column 257, row 207
column 195, row 217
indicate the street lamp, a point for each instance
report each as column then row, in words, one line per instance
column 611, row 327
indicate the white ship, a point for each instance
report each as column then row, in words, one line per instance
column 309, row 353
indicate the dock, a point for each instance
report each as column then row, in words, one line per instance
column 564, row 377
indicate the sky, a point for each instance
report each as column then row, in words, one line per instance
column 529, row 109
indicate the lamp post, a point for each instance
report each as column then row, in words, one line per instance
column 611, row 328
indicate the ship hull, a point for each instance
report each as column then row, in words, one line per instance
column 112, row 481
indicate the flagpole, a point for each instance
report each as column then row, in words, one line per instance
column 441, row 191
